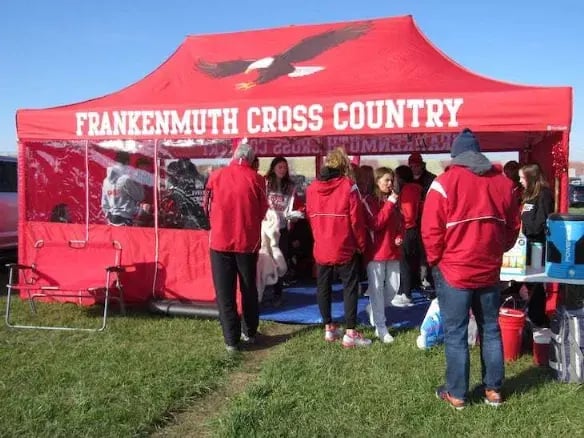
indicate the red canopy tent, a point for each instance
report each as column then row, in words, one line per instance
column 376, row 86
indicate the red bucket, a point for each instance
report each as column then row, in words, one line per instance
column 541, row 347
column 511, row 322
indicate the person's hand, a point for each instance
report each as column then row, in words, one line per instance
column 393, row 197
column 398, row 241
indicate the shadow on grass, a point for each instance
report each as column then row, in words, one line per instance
column 275, row 335
column 522, row 383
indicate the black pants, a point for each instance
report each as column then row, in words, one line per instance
column 536, row 304
column 425, row 269
column 349, row 275
column 409, row 262
column 226, row 268
column 284, row 245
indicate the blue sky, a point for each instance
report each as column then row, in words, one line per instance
column 62, row 51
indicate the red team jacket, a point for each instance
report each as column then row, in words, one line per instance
column 236, row 204
column 469, row 221
column 385, row 225
column 410, row 200
column 337, row 218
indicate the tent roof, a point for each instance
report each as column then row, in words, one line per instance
column 378, row 76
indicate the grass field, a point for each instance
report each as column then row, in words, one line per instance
column 313, row 389
column 122, row 382
column 131, row 379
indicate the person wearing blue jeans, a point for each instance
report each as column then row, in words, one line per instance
column 455, row 304
column 470, row 218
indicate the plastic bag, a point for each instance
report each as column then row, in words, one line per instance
column 432, row 329
column 473, row 330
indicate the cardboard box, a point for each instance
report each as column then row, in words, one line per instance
column 515, row 260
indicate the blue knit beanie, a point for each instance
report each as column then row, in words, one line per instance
column 465, row 141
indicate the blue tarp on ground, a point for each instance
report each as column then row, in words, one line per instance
column 299, row 306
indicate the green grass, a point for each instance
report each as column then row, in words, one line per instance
column 313, row 389
column 129, row 380
column 122, row 382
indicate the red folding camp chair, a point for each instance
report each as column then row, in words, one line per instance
column 82, row 272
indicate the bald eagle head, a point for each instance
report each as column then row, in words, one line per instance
column 260, row 63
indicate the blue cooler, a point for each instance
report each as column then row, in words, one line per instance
column 565, row 246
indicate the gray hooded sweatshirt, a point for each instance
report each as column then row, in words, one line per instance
column 120, row 194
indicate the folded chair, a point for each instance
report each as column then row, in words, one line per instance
column 83, row 272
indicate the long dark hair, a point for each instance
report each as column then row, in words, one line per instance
column 286, row 183
column 535, row 181
column 404, row 174
column 365, row 180
column 511, row 171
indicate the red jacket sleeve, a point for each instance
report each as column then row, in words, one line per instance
column 262, row 197
column 512, row 222
column 358, row 219
column 434, row 222
column 208, row 194
column 379, row 220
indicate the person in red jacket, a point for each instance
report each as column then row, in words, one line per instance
column 337, row 217
column 470, row 219
column 383, row 249
column 410, row 200
column 236, row 203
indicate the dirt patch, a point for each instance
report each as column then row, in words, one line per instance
column 194, row 422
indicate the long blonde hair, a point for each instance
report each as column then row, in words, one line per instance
column 380, row 172
column 338, row 159
column 535, row 181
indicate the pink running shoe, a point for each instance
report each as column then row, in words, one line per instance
column 332, row 333
column 355, row 339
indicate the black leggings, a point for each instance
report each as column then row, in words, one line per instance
column 409, row 262
column 349, row 275
column 536, row 306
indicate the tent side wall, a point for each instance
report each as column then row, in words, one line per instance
column 60, row 199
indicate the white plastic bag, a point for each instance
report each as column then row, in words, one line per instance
column 473, row 330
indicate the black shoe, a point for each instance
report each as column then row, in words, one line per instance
column 248, row 339
column 277, row 301
column 232, row 349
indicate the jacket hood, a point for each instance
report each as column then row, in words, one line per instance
column 114, row 172
column 328, row 180
column 476, row 162
column 327, row 173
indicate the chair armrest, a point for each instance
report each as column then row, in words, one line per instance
column 115, row 269
column 18, row 266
